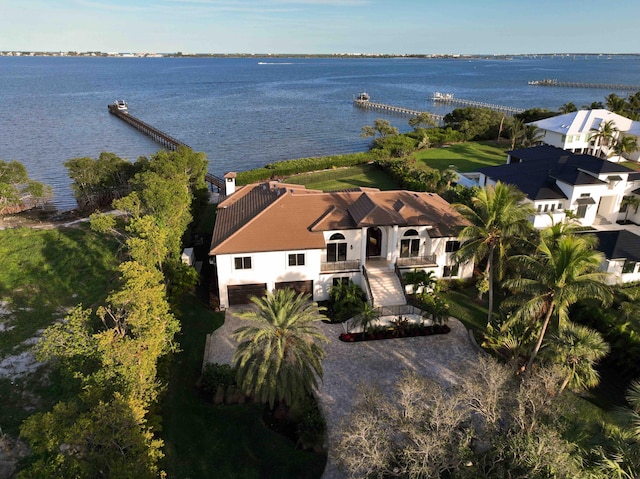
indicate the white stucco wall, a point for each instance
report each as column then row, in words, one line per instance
column 615, row 268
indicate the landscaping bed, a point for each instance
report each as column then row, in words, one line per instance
column 392, row 334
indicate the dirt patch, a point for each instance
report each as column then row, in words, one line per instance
column 40, row 218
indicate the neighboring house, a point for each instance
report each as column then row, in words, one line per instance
column 562, row 184
column 273, row 235
column 575, row 131
column 622, row 252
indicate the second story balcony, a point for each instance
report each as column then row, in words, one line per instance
column 339, row 266
column 415, row 261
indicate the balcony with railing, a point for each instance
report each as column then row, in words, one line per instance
column 339, row 266
column 412, row 261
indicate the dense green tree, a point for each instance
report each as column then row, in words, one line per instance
column 531, row 136
column 475, row 123
column 346, row 299
column 560, row 273
column 498, row 216
column 576, row 349
column 569, row 107
column 279, row 358
column 535, row 114
column 422, row 121
column 625, row 145
column 595, row 105
column 381, row 128
column 18, row 191
column 615, row 104
column 630, row 202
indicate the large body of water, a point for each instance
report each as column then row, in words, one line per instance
column 244, row 113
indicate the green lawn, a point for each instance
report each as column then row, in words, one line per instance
column 43, row 274
column 203, row 440
column 464, row 306
column 465, row 157
column 344, row 178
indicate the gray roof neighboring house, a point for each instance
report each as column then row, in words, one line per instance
column 619, row 244
column 536, row 171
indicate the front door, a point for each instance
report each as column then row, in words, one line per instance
column 374, row 242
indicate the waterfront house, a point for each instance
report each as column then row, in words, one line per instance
column 576, row 132
column 273, row 235
column 560, row 184
column 621, row 249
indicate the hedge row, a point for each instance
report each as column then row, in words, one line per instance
column 285, row 168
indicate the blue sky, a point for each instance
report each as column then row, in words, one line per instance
column 321, row 26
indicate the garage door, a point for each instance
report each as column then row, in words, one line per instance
column 240, row 293
column 298, row 286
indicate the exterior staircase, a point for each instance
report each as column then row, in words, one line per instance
column 601, row 220
column 385, row 286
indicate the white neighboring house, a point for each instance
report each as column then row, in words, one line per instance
column 557, row 181
column 622, row 254
column 273, row 235
column 575, row 131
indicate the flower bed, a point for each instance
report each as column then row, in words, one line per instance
column 391, row 333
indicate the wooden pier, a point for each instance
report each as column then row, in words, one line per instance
column 215, row 181
column 569, row 84
column 448, row 99
column 156, row 135
column 369, row 105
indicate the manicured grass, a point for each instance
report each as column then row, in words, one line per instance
column 203, row 440
column 464, row 306
column 43, row 274
column 465, row 157
column 345, row 178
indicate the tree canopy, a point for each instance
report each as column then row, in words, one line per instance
column 19, row 192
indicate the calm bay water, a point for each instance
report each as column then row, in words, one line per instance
column 244, row 113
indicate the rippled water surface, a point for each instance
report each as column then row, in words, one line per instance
column 244, row 113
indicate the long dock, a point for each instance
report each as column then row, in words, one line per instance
column 570, row 84
column 156, row 135
column 369, row 105
column 448, row 99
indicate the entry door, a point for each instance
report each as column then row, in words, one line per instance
column 374, row 242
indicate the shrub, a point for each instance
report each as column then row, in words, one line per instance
column 216, row 375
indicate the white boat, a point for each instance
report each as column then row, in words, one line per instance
column 121, row 105
column 364, row 96
column 437, row 96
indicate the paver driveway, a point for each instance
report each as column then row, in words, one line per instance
column 443, row 358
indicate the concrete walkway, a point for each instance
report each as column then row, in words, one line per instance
column 443, row 358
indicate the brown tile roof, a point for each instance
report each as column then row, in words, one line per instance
column 278, row 217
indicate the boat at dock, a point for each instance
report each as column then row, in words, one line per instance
column 364, row 96
column 437, row 96
column 121, row 106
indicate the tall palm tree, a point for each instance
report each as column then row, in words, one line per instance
column 561, row 272
column 615, row 104
column 498, row 217
column 604, row 137
column 516, row 131
column 576, row 349
column 279, row 358
column 625, row 145
column 532, row 136
column 631, row 201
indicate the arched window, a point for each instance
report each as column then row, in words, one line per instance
column 409, row 245
column 336, row 251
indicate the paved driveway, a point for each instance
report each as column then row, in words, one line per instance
column 443, row 357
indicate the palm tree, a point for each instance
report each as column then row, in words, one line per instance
column 516, row 130
column 576, row 349
column 625, row 145
column 631, row 201
column 563, row 271
column 568, row 108
column 532, row 136
column 604, row 137
column 615, row 104
column 279, row 358
column 498, row 216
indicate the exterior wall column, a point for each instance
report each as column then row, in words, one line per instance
column 363, row 247
column 392, row 247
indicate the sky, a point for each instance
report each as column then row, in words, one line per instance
column 321, row 26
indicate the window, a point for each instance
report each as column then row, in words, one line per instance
column 296, row 259
column 553, row 206
column 343, row 280
column 629, row 266
column 336, row 237
column 539, row 208
column 336, row 252
column 450, row 271
column 410, row 247
column 452, row 246
column 243, row 262
column 546, row 208
column 581, row 212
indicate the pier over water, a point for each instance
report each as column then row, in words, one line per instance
column 570, row 84
column 156, row 135
column 369, row 105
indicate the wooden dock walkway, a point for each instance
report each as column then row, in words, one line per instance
column 156, row 135
column 450, row 100
column 369, row 105
column 569, row 84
